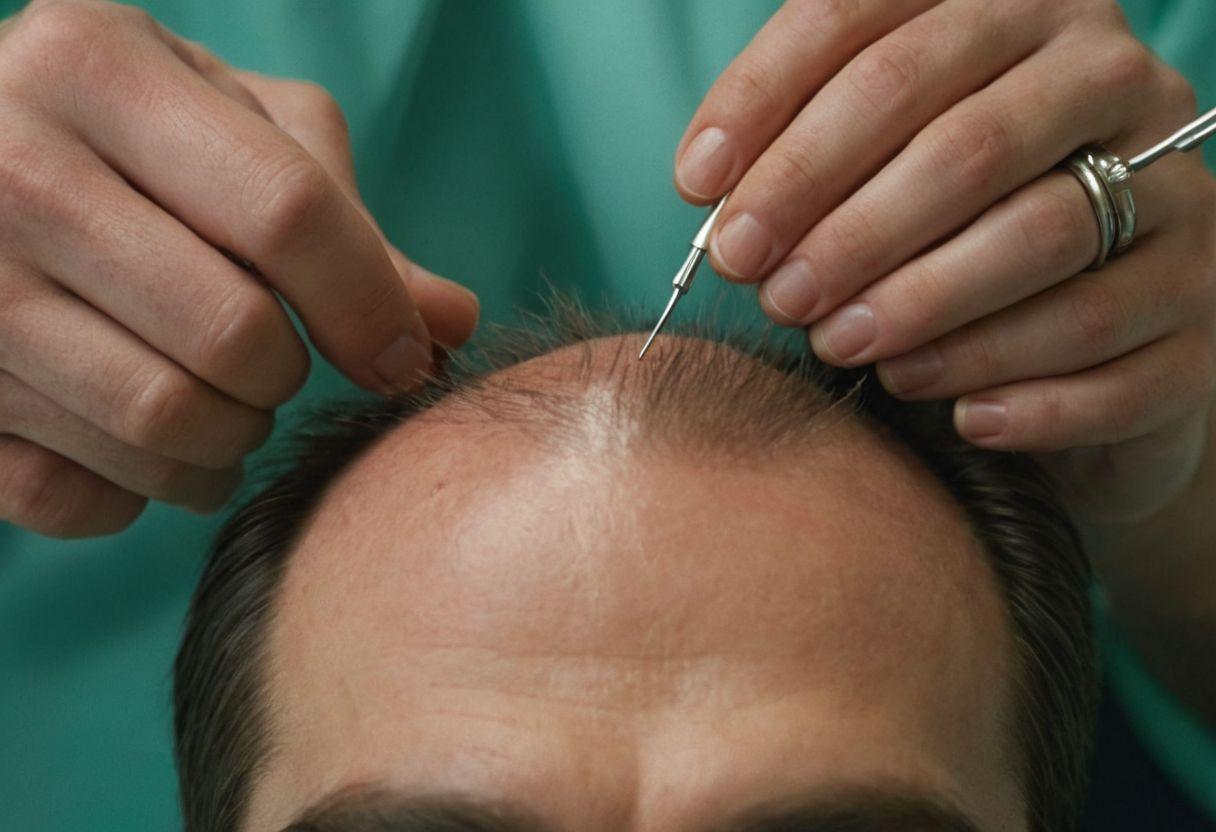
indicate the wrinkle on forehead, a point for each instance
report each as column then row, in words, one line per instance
column 470, row 568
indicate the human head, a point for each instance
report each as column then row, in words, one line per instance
column 752, row 577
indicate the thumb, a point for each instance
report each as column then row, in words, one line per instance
column 311, row 116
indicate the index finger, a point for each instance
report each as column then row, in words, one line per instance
column 796, row 52
column 244, row 185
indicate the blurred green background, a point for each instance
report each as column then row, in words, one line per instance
column 500, row 143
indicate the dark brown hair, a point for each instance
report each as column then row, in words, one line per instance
column 741, row 397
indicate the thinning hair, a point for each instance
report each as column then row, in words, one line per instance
column 741, row 398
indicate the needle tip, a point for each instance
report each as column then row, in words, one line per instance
column 671, row 304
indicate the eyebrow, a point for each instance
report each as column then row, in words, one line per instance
column 851, row 810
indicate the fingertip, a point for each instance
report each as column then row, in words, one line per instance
column 742, row 248
column 111, row 513
column 50, row 495
column 107, row 509
column 726, row 272
column 214, row 489
column 451, row 310
column 818, row 346
column 705, row 165
column 770, row 307
column 404, row 364
column 983, row 422
column 888, row 381
column 699, row 200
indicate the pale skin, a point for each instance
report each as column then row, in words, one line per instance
column 463, row 623
column 888, row 165
column 118, row 385
column 890, row 161
column 136, row 361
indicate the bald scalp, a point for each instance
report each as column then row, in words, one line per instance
column 691, row 395
column 736, row 402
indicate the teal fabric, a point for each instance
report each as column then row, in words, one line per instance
column 1183, row 747
column 502, row 144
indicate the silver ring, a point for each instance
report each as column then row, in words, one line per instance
column 1107, row 182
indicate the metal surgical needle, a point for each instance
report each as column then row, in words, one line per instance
column 687, row 271
column 1188, row 138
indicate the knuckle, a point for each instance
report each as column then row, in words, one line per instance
column 42, row 498
column 1126, row 64
column 16, row 412
column 371, row 305
column 30, row 180
column 157, row 409
column 290, row 196
column 1095, row 312
column 795, row 168
column 1105, row 11
column 887, row 76
column 57, row 21
column 205, row 61
column 752, row 86
column 23, row 308
column 850, row 240
column 1178, row 93
column 837, row 18
column 1053, row 229
column 246, row 323
column 977, row 352
column 134, row 14
column 65, row 33
column 322, row 106
column 978, row 148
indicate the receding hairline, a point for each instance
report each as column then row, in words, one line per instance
column 692, row 402
column 997, row 494
column 689, row 394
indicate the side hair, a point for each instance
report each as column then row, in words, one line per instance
column 220, row 696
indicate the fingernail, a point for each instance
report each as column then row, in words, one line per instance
column 979, row 419
column 743, row 246
column 913, row 371
column 466, row 296
column 706, row 163
column 849, row 331
column 405, row 363
column 792, row 292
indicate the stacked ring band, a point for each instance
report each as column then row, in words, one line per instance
column 1107, row 182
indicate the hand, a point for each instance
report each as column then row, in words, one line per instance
column 136, row 359
column 888, row 162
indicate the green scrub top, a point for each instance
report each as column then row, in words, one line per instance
column 504, row 145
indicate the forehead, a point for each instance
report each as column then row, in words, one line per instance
column 470, row 568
